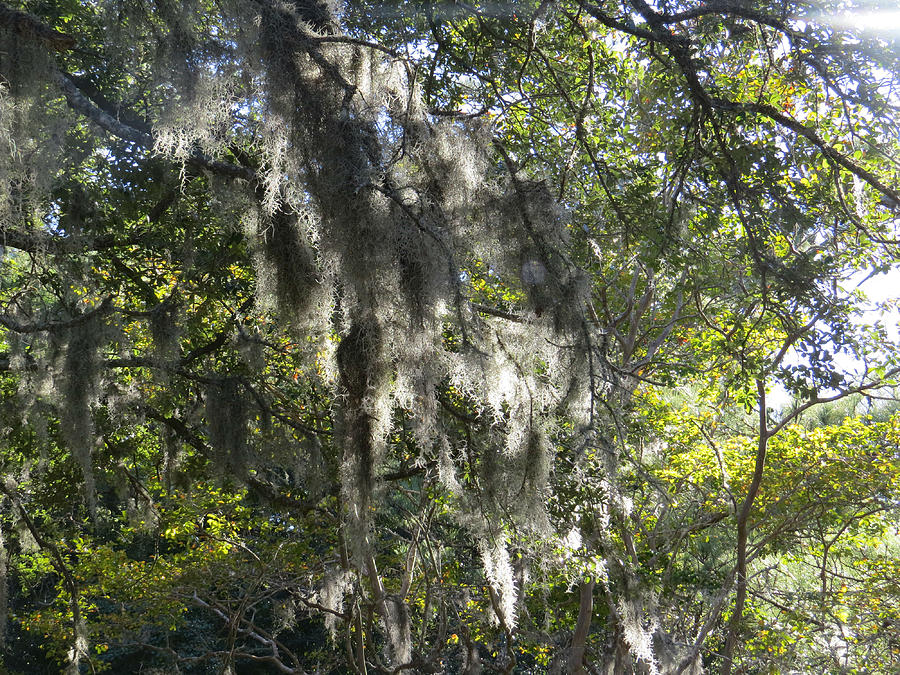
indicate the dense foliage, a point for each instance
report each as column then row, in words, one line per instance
column 443, row 337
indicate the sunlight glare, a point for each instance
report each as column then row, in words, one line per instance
column 882, row 21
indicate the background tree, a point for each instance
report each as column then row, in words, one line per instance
column 351, row 338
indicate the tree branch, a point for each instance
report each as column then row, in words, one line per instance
column 28, row 26
column 80, row 103
column 50, row 326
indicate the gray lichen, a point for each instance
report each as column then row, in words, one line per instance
column 226, row 423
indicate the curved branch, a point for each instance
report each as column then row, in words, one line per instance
column 49, row 326
column 80, row 103
column 28, row 26
column 809, row 134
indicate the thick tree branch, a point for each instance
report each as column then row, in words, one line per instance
column 29, row 27
column 51, row 326
column 80, row 103
column 678, row 47
column 810, row 135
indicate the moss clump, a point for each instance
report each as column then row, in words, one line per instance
column 77, row 392
column 226, row 420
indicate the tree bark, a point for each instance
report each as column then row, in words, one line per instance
column 582, row 627
column 743, row 531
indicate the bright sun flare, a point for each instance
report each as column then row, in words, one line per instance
column 876, row 20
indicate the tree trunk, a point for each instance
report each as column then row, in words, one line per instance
column 582, row 627
column 743, row 517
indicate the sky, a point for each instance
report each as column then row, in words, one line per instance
column 878, row 289
column 882, row 18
